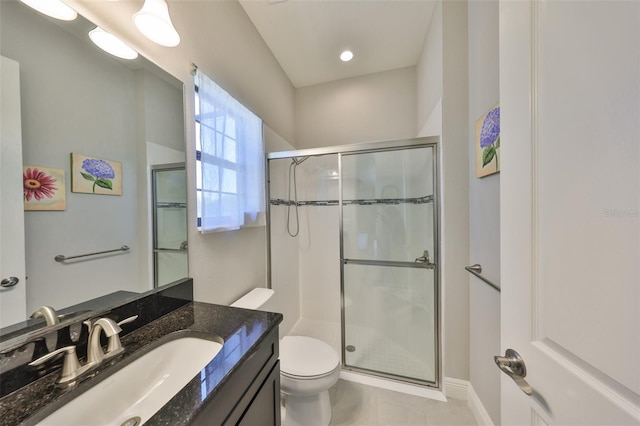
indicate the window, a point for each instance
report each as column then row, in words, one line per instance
column 229, row 160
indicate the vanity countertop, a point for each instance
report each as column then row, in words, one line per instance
column 242, row 331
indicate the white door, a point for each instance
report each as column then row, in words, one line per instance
column 570, row 209
column 12, row 297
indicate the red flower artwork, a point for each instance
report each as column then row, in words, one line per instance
column 37, row 184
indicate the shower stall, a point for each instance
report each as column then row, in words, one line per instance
column 169, row 200
column 360, row 223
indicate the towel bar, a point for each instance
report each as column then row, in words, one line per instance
column 477, row 271
column 62, row 258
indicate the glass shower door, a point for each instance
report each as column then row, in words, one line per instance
column 170, row 261
column 388, row 250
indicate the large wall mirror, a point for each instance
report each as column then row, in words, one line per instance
column 77, row 99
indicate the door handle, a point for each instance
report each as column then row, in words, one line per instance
column 513, row 366
column 9, row 282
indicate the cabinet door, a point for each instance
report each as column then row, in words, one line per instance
column 264, row 409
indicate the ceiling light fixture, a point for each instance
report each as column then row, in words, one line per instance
column 53, row 8
column 111, row 44
column 346, row 56
column 154, row 22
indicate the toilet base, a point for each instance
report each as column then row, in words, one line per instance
column 308, row 410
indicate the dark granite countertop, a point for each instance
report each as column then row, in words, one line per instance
column 242, row 331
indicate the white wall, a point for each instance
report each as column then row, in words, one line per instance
column 222, row 41
column 445, row 57
column 368, row 108
column 455, row 190
column 55, row 88
column 484, row 210
column 429, row 79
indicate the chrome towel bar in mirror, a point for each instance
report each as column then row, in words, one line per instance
column 62, row 258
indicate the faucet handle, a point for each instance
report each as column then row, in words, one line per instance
column 114, row 346
column 70, row 367
column 128, row 320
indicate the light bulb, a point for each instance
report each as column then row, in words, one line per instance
column 346, row 56
column 154, row 22
column 53, row 8
column 111, row 44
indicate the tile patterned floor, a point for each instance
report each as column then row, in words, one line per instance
column 356, row 404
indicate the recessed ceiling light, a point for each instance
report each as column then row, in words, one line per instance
column 346, row 56
column 54, row 8
column 111, row 44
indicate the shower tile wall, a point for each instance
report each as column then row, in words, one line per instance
column 284, row 252
column 319, row 240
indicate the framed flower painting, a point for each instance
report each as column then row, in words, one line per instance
column 92, row 175
column 488, row 143
column 43, row 188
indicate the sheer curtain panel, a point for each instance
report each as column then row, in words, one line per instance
column 230, row 153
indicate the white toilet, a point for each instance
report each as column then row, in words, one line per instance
column 308, row 368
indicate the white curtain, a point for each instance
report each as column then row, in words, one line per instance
column 232, row 161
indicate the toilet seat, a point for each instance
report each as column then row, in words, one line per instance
column 318, row 376
column 306, row 358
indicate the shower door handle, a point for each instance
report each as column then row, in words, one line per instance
column 426, row 259
column 513, row 366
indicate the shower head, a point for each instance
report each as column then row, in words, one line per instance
column 298, row 160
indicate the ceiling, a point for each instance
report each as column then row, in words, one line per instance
column 306, row 36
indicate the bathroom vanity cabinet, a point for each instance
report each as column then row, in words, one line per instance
column 240, row 386
column 251, row 396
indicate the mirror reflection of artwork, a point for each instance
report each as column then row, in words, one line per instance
column 488, row 143
column 43, row 188
column 95, row 176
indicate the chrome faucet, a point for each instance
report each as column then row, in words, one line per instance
column 48, row 313
column 71, row 368
column 95, row 353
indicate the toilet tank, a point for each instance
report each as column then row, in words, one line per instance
column 257, row 299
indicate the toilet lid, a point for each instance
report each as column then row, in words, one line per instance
column 305, row 356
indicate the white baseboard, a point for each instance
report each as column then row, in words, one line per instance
column 462, row 389
column 456, row 388
column 477, row 408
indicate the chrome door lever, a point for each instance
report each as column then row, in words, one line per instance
column 9, row 282
column 513, row 366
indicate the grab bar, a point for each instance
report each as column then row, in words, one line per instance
column 62, row 258
column 477, row 271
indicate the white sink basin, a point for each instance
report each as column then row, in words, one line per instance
column 141, row 388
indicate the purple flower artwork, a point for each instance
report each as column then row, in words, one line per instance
column 99, row 172
column 95, row 175
column 488, row 143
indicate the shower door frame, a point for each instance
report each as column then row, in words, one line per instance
column 362, row 148
column 154, row 219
